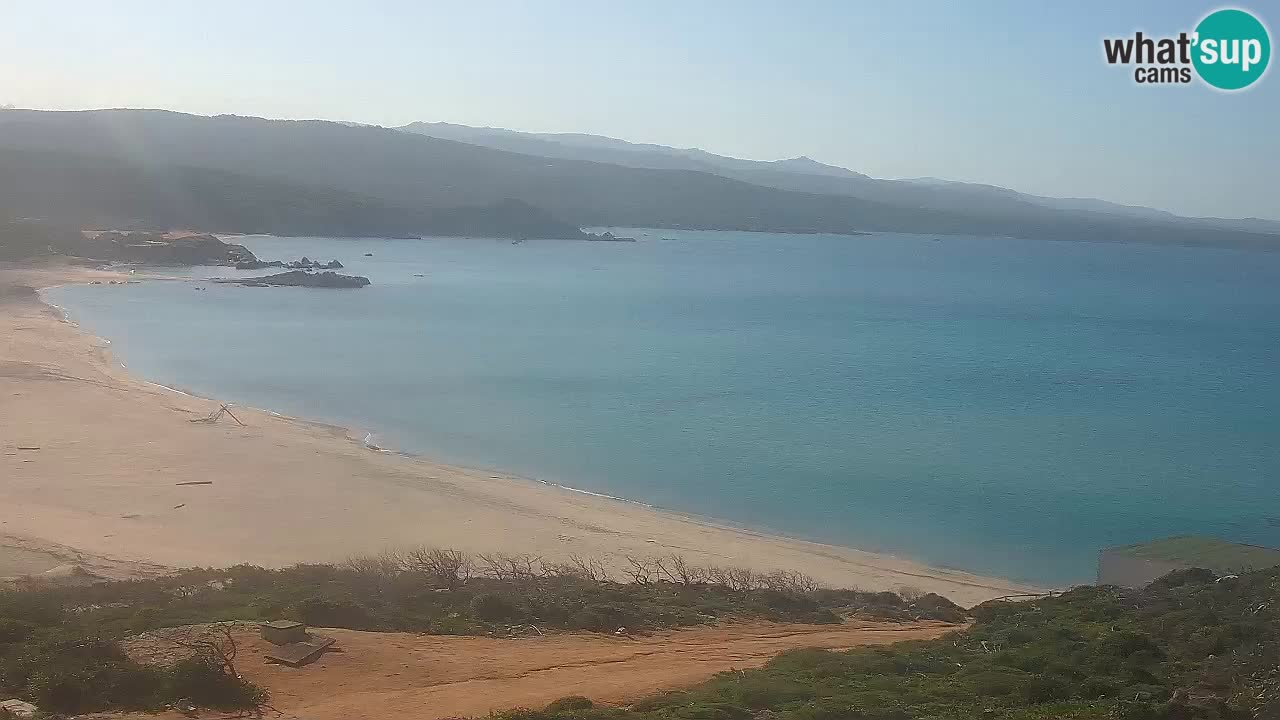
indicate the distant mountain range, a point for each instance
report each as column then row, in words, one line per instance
column 148, row 169
column 804, row 174
column 597, row 148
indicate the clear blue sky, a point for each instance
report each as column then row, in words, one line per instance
column 1010, row 93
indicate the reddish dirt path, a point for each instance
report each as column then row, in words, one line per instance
column 424, row 676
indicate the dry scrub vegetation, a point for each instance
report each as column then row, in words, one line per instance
column 60, row 645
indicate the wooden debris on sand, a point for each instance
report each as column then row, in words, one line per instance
column 216, row 415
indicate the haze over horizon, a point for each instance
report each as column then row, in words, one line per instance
column 1005, row 94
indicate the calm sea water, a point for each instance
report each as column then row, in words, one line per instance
column 1003, row 406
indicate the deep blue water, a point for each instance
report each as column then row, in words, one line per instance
column 1005, row 406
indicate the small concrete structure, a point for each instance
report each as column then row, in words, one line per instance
column 284, row 632
column 295, row 647
column 1137, row 565
column 300, row 653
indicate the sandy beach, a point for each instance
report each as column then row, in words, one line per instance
column 106, row 470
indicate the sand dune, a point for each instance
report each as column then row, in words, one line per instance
column 93, row 461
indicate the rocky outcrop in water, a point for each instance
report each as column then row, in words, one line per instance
column 308, row 264
column 304, row 264
column 259, row 264
column 301, row 278
column 608, row 237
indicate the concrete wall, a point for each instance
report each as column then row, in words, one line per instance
column 1125, row 570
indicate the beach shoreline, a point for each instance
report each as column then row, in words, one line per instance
column 102, row 488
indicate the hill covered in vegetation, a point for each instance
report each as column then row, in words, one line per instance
column 28, row 240
column 60, row 646
column 122, row 192
column 1188, row 646
column 240, row 174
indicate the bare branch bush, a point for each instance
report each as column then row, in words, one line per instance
column 214, row 644
column 576, row 566
column 387, row 563
column 443, row 567
column 676, row 569
column 734, row 578
column 642, row 571
column 502, row 566
column 910, row 593
column 447, row 568
column 788, row 581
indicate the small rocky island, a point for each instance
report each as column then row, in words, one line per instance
column 607, row 237
column 304, row 264
column 301, row 278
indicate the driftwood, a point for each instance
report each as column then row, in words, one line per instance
column 214, row 417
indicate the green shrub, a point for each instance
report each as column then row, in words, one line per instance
column 1098, row 687
column 570, row 702
column 937, row 607
column 710, row 711
column 492, row 607
column 337, row 612
column 760, row 692
column 38, row 608
column 994, row 684
column 1046, row 688
column 207, row 685
column 1125, row 643
column 13, row 630
column 59, row 691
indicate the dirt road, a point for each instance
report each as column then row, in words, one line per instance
column 382, row 675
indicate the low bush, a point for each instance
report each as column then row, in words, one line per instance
column 207, row 685
column 569, row 703
column 491, row 608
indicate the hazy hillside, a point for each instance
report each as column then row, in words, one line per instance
column 597, row 148
column 224, row 173
column 109, row 192
column 981, row 192
column 807, row 175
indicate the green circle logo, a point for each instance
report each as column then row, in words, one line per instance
column 1232, row 49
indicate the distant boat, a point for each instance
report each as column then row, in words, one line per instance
column 368, row 254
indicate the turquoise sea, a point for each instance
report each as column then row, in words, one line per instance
column 1003, row 406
